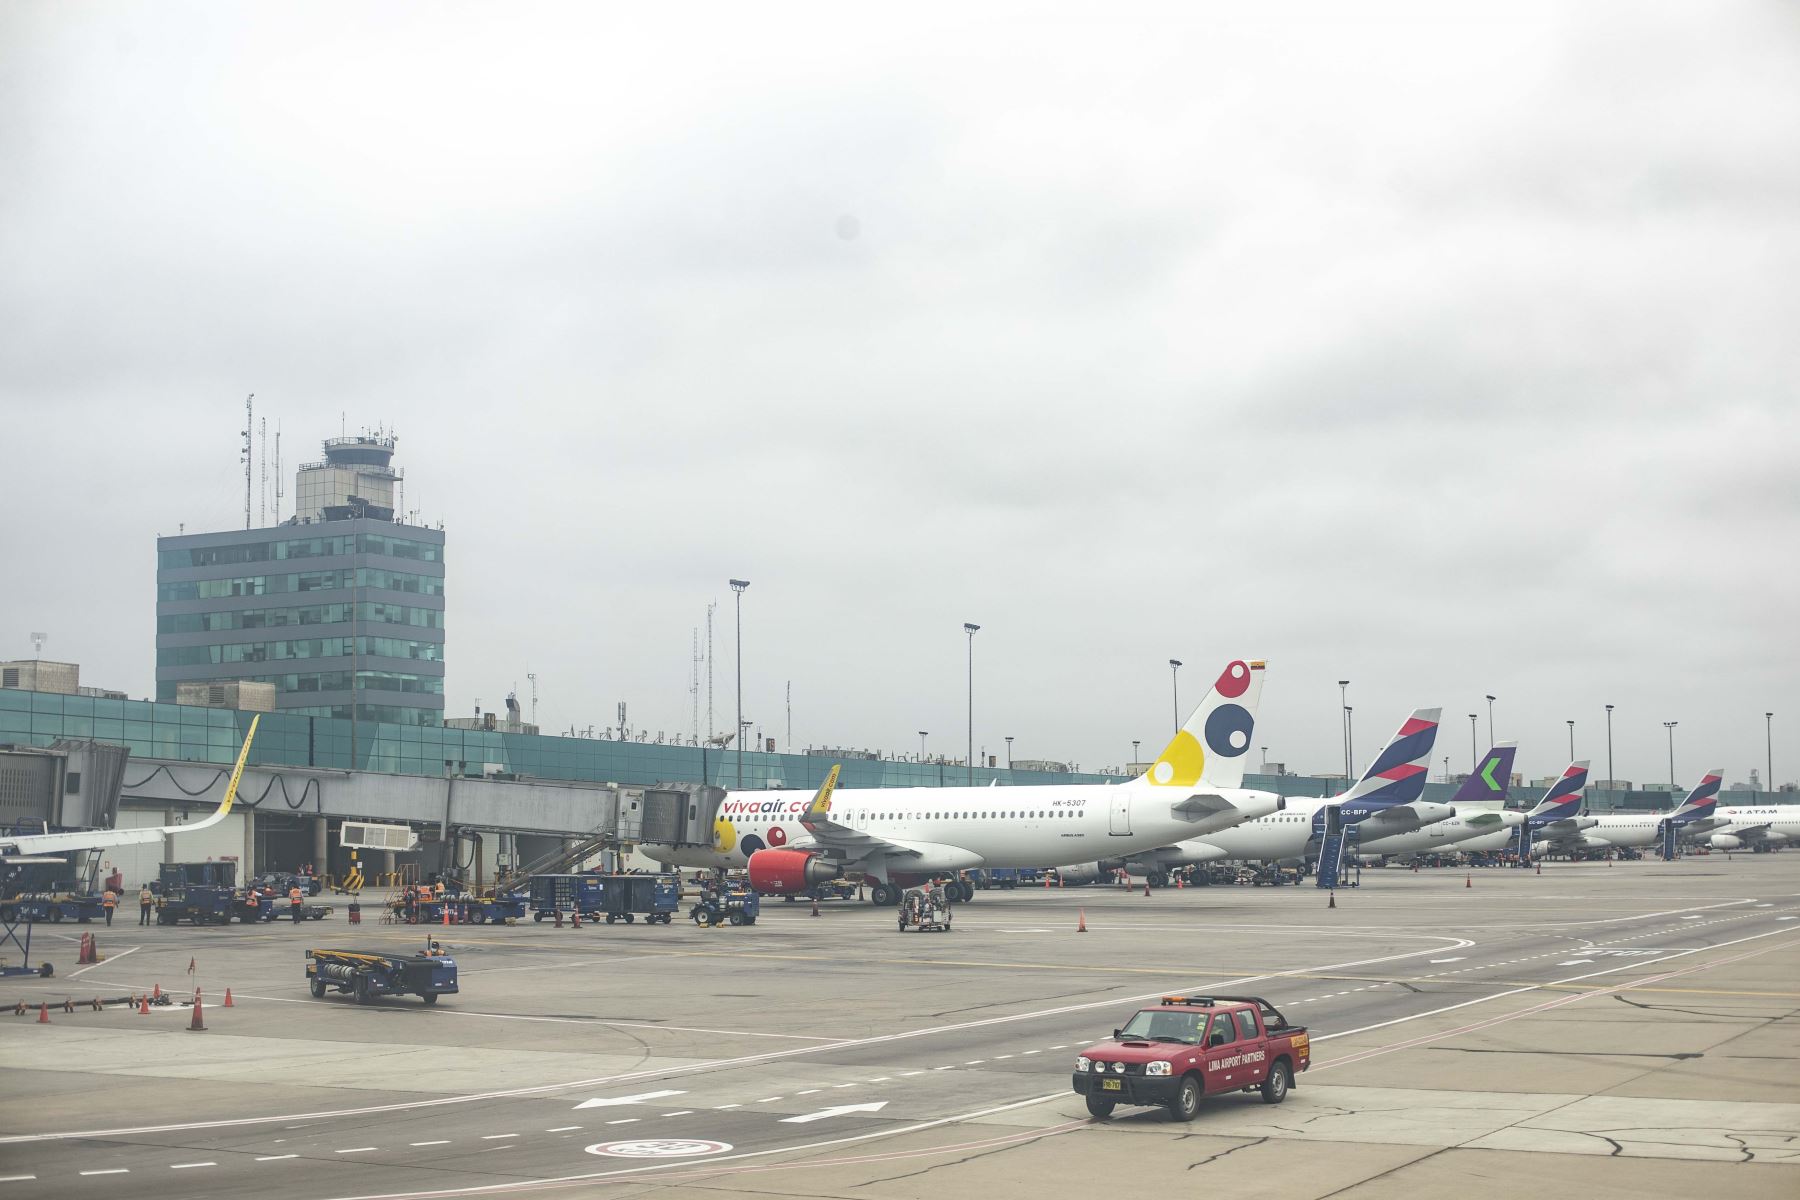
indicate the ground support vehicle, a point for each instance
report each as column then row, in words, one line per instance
column 202, row 904
column 53, row 907
column 463, row 910
column 1189, row 1047
column 733, row 905
column 369, row 974
column 654, row 897
column 584, row 893
column 1008, row 878
column 279, row 908
column 925, row 911
column 833, row 889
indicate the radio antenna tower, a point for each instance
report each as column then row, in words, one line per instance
column 694, row 682
column 709, row 665
column 262, row 490
column 249, row 430
column 280, row 491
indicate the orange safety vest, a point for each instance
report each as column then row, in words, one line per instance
column 294, row 897
column 109, row 899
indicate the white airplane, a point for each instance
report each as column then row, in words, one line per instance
column 793, row 840
column 1556, row 818
column 1479, row 811
column 1737, row 826
column 1384, row 801
column 14, row 847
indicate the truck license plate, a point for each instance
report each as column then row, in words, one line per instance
column 1112, row 1085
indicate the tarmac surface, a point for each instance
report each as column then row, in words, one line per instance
column 1614, row 1030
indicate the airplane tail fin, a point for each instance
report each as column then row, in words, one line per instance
column 1701, row 802
column 1211, row 747
column 1491, row 779
column 1563, row 798
column 1397, row 776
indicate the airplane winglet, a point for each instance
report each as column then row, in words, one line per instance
column 821, row 803
column 237, row 772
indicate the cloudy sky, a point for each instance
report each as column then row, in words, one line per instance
column 1449, row 349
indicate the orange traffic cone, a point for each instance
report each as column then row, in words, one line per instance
column 1046, row 879
column 198, row 1024
column 228, row 1003
column 1332, row 903
column 1469, row 880
column 1540, row 868
column 144, row 1006
column 1081, row 924
column 575, row 917
column 444, row 909
column 157, row 994
column 1146, row 885
column 1179, row 884
column 815, row 911
column 43, row 1014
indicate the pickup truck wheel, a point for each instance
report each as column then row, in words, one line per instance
column 1275, row 1087
column 1100, row 1106
column 1186, row 1105
column 318, row 989
column 429, row 997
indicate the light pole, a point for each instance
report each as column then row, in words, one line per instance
column 1769, row 749
column 1474, row 755
column 1490, row 701
column 1135, row 743
column 1670, row 726
column 1610, row 777
column 1446, row 768
column 737, row 587
column 1571, row 741
column 923, row 734
column 1344, row 705
column 1009, row 752
column 1349, row 741
column 971, row 630
column 1175, row 690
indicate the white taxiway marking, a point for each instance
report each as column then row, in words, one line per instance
column 185, row 1166
column 1459, row 958
column 497, row 1137
column 562, row 1129
column 275, row 1157
column 680, row 1112
column 624, row 1121
column 721, row 1107
column 16, row 1178
column 357, row 1150
column 809, row 1091
column 107, row 962
column 443, row 1142
column 839, row 1111
column 641, row 1097
column 112, row 1171
column 1574, row 962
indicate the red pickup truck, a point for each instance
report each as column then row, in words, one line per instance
column 1189, row 1047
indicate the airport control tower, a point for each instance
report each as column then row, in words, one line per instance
column 341, row 606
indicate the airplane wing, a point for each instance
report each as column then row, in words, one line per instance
column 838, row 839
column 1748, row 833
column 1482, row 821
column 99, row 839
column 1567, row 829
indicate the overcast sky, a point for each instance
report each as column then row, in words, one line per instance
column 1450, row 349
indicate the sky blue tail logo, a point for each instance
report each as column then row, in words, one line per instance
column 1491, row 779
column 1397, row 776
column 1564, row 797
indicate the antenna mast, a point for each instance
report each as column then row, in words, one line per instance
column 262, row 490
column 279, row 490
column 709, row 664
column 694, row 682
column 249, row 430
column 532, row 675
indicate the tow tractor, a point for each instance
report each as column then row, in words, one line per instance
column 732, row 903
column 370, row 974
column 927, row 911
column 1189, row 1047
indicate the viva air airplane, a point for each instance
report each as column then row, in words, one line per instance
column 1384, row 801
column 791, row 841
column 100, row 839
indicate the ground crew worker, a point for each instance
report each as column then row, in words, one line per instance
column 439, row 890
column 294, row 902
column 108, row 902
column 145, row 901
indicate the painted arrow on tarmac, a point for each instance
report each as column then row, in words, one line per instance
column 839, row 1111
column 640, row 1098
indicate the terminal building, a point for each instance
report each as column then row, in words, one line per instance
column 340, row 608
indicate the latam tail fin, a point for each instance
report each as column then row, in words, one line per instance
column 1563, row 798
column 1700, row 802
column 1211, row 748
column 1397, row 776
column 1491, row 780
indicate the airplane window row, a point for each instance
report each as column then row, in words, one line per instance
column 932, row 816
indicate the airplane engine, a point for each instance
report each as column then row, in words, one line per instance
column 785, row 872
column 1595, row 842
column 1725, row 841
column 1092, row 872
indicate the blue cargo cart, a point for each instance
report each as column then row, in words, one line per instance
column 655, row 897
column 463, row 910
column 371, row 974
column 52, row 907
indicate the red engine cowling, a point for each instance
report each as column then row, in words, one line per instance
column 780, row 872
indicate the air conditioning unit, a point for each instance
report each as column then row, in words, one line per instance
column 361, row 835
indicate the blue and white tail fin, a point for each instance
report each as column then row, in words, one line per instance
column 1213, row 747
column 1397, row 776
column 1563, row 799
column 1702, row 801
column 1491, row 780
